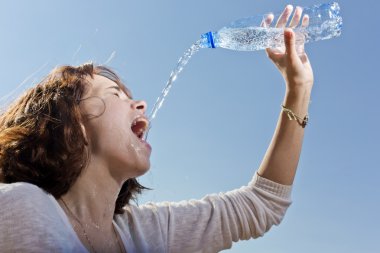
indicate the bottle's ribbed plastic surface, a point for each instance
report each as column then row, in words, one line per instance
column 248, row 34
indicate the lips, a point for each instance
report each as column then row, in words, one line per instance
column 139, row 126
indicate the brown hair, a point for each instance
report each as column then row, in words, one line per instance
column 41, row 139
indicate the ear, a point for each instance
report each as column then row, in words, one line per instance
column 84, row 134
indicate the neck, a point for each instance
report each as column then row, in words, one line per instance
column 93, row 196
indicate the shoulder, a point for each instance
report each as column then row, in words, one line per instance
column 32, row 218
column 20, row 189
column 22, row 195
column 17, row 187
column 23, row 204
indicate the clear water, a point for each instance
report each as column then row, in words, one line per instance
column 251, row 38
column 258, row 38
column 173, row 76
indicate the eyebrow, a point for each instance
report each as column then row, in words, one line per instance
column 114, row 87
column 127, row 92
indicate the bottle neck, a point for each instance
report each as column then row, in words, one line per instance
column 208, row 40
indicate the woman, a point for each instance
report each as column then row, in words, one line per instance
column 71, row 148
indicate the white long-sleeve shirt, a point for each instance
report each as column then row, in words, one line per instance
column 31, row 220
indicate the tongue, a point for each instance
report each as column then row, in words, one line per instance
column 138, row 127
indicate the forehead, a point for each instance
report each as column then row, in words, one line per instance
column 99, row 84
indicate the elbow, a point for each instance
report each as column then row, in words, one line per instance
column 267, row 220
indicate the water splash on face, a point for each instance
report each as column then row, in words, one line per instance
column 136, row 148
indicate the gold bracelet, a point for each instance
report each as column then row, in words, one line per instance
column 292, row 116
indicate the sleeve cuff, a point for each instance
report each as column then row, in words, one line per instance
column 280, row 190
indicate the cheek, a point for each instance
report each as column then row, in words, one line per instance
column 110, row 132
column 116, row 129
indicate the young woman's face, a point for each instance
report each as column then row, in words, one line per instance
column 115, row 128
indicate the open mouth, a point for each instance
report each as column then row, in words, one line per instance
column 139, row 126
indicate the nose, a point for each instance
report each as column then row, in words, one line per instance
column 140, row 105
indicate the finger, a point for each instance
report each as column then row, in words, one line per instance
column 301, row 37
column 296, row 17
column 290, row 43
column 305, row 21
column 267, row 20
column 283, row 19
column 304, row 58
column 269, row 52
column 273, row 55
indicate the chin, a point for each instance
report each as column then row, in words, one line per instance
column 139, row 170
column 144, row 169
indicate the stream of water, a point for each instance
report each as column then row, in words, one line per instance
column 173, row 76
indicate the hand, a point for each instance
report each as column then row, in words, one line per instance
column 293, row 64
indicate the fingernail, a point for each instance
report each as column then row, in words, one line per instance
column 289, row 7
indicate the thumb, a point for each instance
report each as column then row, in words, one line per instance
column 290, row 43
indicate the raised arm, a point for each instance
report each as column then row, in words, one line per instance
column 281, row 159
column 214, row 222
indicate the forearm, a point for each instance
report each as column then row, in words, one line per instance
column 281, row 159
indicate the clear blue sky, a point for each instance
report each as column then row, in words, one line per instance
column 216, row 124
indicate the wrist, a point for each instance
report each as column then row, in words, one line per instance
column 298, row 100
column 299, row 86
column 302, row 121
column 298, row 93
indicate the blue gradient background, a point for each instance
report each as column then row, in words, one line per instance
column 217, row 122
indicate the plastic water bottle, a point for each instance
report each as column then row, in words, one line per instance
column 249, row 34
